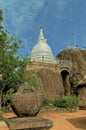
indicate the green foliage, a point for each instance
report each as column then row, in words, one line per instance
column 1, row 118
column 47, row 101
column 1, row 18
column 11, row 67
column 49, row 108
column 66, row 101
column 48, row 104
column 7, row 96
column 31, row 78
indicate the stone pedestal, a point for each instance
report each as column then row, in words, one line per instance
column 29, row 123
column 26, row 103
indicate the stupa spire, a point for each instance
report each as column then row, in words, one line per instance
column 42, row 52
column 41, row 36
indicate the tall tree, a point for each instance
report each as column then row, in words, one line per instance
column 11, row 67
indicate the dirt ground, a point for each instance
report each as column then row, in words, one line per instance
column 62, row 121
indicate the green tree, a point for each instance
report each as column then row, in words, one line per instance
column 11, row 67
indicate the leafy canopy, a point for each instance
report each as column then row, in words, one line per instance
column 11, row 67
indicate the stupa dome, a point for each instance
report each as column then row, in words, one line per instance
column 41, row 52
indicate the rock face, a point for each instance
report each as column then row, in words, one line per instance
column 51, row 82
column 82, row 93
column 78, row 72
column 78, row 59
column 26, row 101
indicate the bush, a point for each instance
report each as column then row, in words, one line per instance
column 66, row 101
column 31, row 78
column 46, row 101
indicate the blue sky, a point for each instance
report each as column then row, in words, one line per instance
column 61, row 21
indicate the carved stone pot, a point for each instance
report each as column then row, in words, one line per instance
column 26, row 101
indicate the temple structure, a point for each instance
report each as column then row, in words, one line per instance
column 42, row 58
column 42, row 52
column 58, row 76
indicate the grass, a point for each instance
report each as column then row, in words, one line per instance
column 1, row 118
column 57, row 109
column 52, row 108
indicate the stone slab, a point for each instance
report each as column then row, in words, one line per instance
column 2, row 123
column 29, row 123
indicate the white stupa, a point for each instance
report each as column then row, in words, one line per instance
column 41, row 52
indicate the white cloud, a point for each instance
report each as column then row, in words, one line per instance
column 21, row 13
column 20, row 18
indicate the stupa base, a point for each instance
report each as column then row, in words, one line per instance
column 29, row 123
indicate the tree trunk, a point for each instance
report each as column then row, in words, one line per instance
column 0, row 100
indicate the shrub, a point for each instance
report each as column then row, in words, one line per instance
column 46, row 101
column 31, row 78
column 66, row 101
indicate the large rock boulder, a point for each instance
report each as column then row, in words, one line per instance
column 26, row 101
column 78, row 59
column 51, row 83
column 82, row 93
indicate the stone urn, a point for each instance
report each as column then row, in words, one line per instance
column 26, row 101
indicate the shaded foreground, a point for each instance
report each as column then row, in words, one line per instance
column 63, row 121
